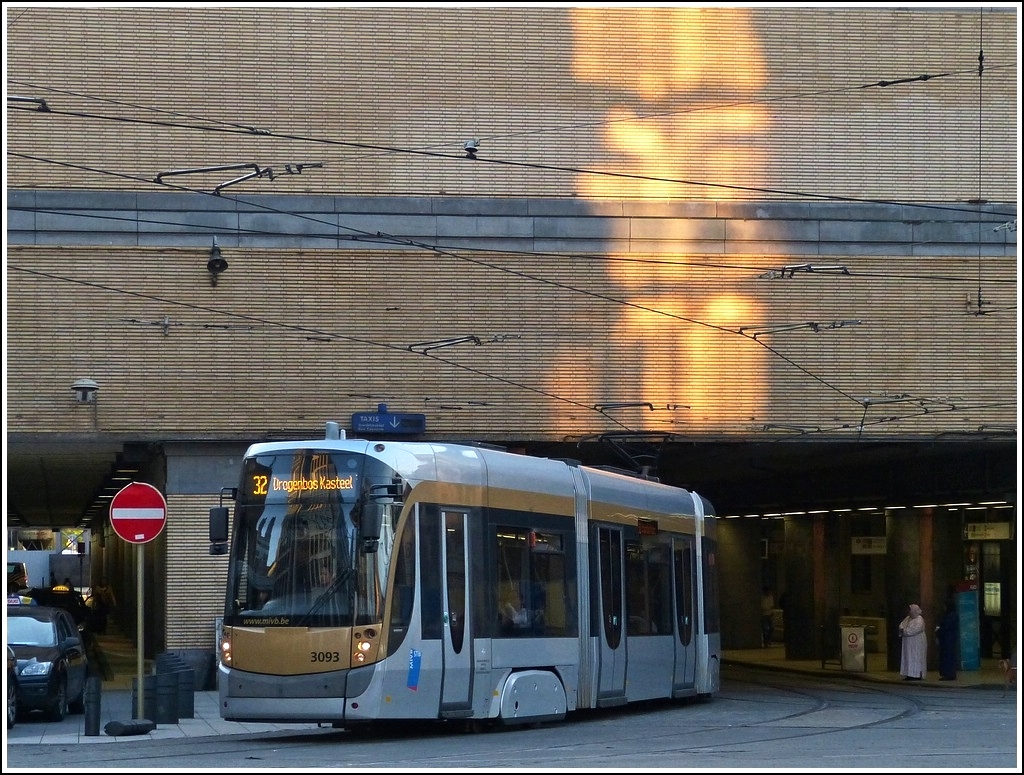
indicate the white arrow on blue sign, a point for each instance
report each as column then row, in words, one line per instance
column 389, row 422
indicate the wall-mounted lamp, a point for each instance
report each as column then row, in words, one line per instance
column 85, row 390
column 216, row 264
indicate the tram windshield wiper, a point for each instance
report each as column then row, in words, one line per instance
column 326, row 595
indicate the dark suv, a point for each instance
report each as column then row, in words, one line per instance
column 51, row 660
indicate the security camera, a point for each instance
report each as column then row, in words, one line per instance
column 85, row 390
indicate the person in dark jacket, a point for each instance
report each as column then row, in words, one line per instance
column 104, row 602
column 948, row 636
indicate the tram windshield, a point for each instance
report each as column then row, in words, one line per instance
column 312, row 539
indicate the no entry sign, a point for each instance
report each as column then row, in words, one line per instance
column 138, row 513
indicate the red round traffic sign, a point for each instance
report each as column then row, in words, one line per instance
column 138, row 512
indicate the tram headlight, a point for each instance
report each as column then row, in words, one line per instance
column 225, row 651
column 361, row 648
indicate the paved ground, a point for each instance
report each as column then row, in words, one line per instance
column 119, row 661
column 874, row 669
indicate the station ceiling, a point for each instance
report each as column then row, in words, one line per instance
column 59, row 484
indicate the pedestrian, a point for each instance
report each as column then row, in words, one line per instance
column 767, row 617
column 104, row 603
column 947, row 634
column 914, row 653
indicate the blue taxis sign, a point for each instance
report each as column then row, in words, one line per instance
column 389, row 422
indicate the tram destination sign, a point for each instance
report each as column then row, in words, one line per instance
column 389, row 422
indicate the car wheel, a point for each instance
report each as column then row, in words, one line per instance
column 12, row 703
column 59, row 708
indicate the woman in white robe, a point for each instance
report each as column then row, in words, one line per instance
column 914, row 655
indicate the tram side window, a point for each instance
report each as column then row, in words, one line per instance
column 648, row 589
column 431, row 583
column 637, row 622
column 659, row 584
column 685, row 589
column 534, row 592
column 712, row 623
column 404, row 587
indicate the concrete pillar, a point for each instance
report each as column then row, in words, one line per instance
column 801, row 634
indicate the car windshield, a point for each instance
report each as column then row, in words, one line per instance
column 29, row 631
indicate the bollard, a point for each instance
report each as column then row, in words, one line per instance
column 149, row 697
column 168, row 663
column 166, row 698
column 93, row 687
column 170, row 667
column 186, row 693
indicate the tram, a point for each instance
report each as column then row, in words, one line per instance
column 375, row 580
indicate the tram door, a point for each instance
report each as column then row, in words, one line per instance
column 456, row 684
column 685, row 572
column 609, row 617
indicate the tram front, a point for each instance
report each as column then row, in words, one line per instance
column 309, row 552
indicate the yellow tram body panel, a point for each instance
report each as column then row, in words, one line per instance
column 296, row 650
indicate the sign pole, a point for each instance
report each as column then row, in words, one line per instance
column 138, row 513
column 140, row 658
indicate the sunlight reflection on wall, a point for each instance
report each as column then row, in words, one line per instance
column 696, row 73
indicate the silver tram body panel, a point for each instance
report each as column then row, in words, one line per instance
column 514, row 680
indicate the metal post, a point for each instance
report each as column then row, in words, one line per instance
column 140, row 642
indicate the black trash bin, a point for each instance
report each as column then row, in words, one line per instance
column 184, row 679
column 148, row 697
column 186, row 692
column 160, row 698
column 166, row 698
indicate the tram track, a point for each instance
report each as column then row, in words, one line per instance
column 816, row 694
column 759, row 719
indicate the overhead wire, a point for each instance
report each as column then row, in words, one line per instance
column 236, row 128
column 605, row 297
column 323, row 335
column 233, row 127
column 308, row 331
column 391, row 239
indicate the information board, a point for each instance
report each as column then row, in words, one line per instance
column 970, row 626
